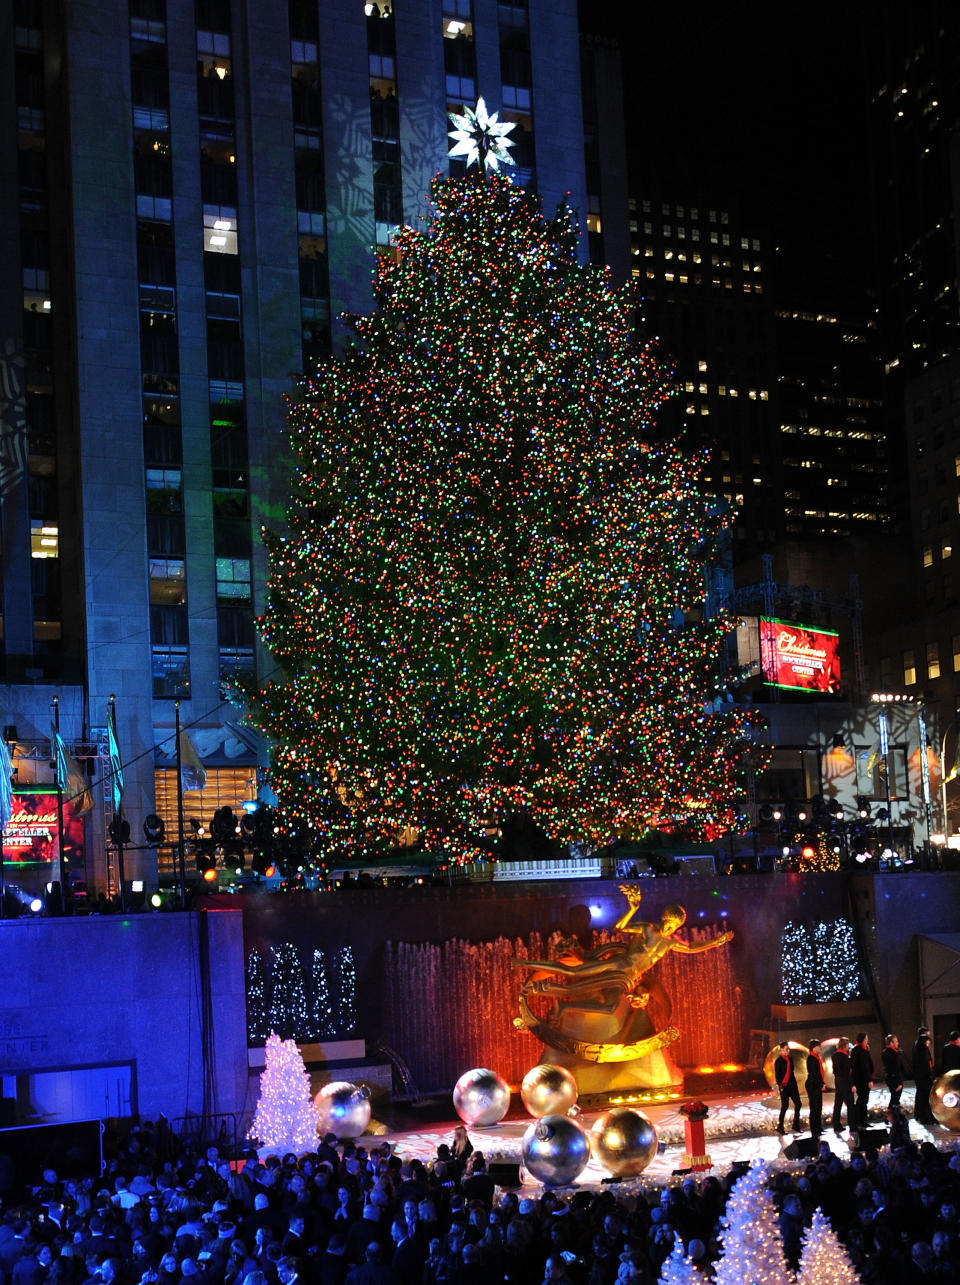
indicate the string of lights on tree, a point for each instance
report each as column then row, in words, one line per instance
column 488, row 595
column 819, row 963
column 678, row 1267
column 316, row 1001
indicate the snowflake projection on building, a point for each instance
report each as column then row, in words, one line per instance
column 819, row 963
column 316, row 1000
column 480, row 138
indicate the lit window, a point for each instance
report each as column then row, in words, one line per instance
column 220, row 229
column 701, row 365
column 688, row 386
column 933, row 660
column 956, row 653
column 946, row 549
column 702, row 388
column 44, row 539
column 928, row 555
column 909, row 669
column 167, row 581
column 233, row 579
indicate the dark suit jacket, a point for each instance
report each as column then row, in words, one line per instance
column 784, row 1073
column 950, row 1058
column 861, row 1065
column 814, row 1073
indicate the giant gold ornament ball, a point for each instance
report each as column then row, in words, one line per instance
column 344, row 1109
column 555, row 1150
column 945, row 1101
column 798, row 1056
column 548, row 1090
column 623, row 1141
column 481, row 1097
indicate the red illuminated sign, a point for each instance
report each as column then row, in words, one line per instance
column 31, row 836
column 797, row 657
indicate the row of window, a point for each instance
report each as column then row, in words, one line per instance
column 683, row 279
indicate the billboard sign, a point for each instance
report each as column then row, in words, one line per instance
column 31, row 836
column 798, row 657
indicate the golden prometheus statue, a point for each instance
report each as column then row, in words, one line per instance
column 599, row 997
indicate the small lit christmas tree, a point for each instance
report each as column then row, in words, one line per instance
column 824, row 1261
column 752, row 1244
column 679, row 1268
column 286, row 1119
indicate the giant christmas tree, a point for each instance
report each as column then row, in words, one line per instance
column 488, row 598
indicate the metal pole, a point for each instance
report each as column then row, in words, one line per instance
column 943, row 784
column 924, row 772
column 885, row 751
column 56, row 755
column 118, row 814
column 183, row 868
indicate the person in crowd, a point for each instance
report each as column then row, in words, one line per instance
column 816, row 1078
column 892, row 1060
column 861, row 1073
column 842, row 1085
column 786, row 1079
column 921, row 1065
column 950, row 1057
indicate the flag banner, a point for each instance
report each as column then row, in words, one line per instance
column 872, row 759
column 955, row 770
column 193, row 775
column 6, row 786
column 70, row 779
column 116, row 767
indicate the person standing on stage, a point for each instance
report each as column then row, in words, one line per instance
column 787, row 1084
column 950, row 1058
column 816, row 1078
column 842, row 1093
column 893, row 1070
column 921, row 1064
column 861, row 1072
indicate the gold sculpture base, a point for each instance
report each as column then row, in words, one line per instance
column 651, row 1074
column 695, row 1162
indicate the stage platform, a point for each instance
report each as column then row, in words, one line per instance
column 739, row 1129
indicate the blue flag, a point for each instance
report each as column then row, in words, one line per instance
column 70, row 779
column 116, row 767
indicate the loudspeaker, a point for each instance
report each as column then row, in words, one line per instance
column 504, row 1173
column 801, row 1147
column 876, row 1137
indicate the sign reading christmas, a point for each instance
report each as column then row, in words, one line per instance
column 31, row 835
column 798, row 657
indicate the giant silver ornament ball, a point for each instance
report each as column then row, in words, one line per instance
column 945, row 1100
column 623, row 1141
column 555, row 1150
column 344, row 1109
column 481, row 1097
column 548, row 1090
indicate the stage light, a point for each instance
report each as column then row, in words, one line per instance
column 210, row 874
column 36, row 905
column 807, row 852
column 156, row 901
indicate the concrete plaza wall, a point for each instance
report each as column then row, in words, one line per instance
column 125, row 991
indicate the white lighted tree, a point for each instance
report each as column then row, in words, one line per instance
column 285, row 1119
column 679, row 1268
column 752, row 1244
column 824, row 1260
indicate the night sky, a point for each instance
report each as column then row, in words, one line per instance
column 765, row 101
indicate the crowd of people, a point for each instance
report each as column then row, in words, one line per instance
column 355, row 1213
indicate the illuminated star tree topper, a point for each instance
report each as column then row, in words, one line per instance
column 480, row 137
